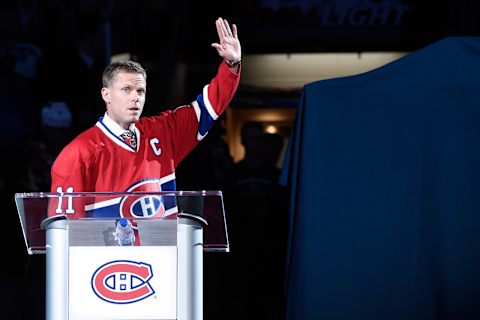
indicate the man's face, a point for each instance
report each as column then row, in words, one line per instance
column 125, row 98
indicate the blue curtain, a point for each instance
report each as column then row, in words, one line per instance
column 383, row 170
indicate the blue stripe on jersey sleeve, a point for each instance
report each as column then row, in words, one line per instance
column 169, row 202
column 206, row 121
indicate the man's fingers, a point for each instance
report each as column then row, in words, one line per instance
column 227, row 28
column 234, row 27
column 220, row 31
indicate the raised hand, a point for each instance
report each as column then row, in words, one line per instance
column 229, row 47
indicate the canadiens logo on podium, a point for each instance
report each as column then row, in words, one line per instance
column 123, row 281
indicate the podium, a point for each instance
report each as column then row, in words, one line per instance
column 90, row 276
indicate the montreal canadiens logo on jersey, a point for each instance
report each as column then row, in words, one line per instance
column 123, row 281
column 143, row 206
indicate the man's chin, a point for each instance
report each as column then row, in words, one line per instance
column 132, row 121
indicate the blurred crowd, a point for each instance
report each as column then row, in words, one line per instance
column 51, row 58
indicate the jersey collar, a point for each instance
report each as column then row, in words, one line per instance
column 113, row 130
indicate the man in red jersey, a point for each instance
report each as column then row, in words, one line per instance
column 126, row 153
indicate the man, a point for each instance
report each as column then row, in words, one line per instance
column 126, row 153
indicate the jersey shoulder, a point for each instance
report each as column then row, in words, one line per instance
column 79, row 151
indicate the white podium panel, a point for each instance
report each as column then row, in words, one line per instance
column 122, row 283
column 89, row 276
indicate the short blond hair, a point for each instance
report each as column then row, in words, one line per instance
column 112, row 70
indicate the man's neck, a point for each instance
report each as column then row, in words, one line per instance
column 114, row 126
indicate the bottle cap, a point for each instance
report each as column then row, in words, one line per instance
column 123, row 222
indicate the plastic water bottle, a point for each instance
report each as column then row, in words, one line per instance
column 125, row 234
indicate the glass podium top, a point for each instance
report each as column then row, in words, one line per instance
column 146, row 211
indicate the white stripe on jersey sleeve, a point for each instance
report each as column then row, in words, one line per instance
column 208, row 105
column 196, row 107
column 170, row 211
column 167, row 178
column 200, row 137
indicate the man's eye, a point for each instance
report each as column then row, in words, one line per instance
column 126, row 89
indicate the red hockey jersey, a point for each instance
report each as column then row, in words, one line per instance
column 99, row 161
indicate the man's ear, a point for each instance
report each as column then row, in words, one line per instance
column 105, row 95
